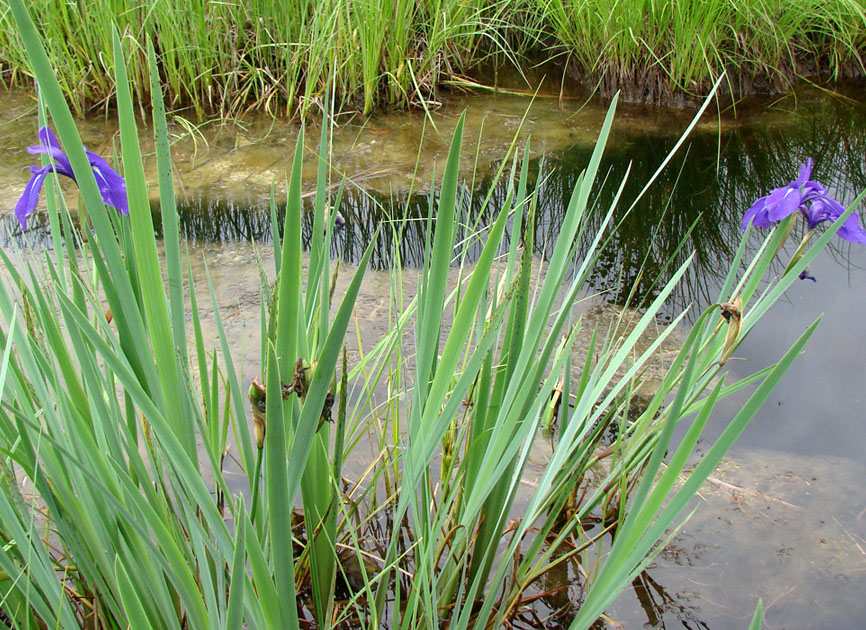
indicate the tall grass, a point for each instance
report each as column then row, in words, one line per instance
column 658, row 51
column 228, row 57
column 115, row 509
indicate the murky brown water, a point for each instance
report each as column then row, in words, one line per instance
column 790, row 528
column 239, row 161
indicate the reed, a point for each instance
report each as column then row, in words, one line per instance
column 659, row 52
column 115, row 509
column 224, row 58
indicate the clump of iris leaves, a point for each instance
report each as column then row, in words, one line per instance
column 115, row 511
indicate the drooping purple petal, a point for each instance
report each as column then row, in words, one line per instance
column 757, row 214
column 30, row 197
column 827, row 209
column 111, row 185
column 852, row 231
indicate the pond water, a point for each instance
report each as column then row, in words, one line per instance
column 785, row 517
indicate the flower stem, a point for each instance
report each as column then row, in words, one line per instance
column 801, row 249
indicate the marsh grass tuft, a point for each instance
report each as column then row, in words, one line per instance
column 225, row 58
column 664, row 52
column 115, row 509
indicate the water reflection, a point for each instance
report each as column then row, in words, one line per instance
column 555, row 599
column 695, row 204
column 656, row 602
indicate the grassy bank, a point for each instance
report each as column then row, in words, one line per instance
column 663, row 52
column 224, row 58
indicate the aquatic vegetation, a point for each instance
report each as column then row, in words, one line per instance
column 129, row 455
column 813, row 202
column 227, row 58
column 280, row 57
column 664, row 52
column 112, row 187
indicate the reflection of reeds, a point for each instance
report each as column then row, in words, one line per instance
column 699, row 198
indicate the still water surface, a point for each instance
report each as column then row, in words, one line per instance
column 785, row 517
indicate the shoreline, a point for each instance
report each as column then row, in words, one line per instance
column 226, row 60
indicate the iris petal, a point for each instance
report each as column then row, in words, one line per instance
column 757, row 214
column 805, row 174
column 51, row 146
column 783, row 203
column 111, row 185
column 852, row 231
column 827, row 209
column 30, row 197
column 818, row 213
column 810, row 198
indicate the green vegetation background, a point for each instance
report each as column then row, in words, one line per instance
column 227, row 57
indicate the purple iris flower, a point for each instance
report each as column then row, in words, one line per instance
column 111, row 185
column 808, row 197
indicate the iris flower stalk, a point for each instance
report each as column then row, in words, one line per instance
column 111, row 185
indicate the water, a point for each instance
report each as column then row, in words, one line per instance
column 785, row 518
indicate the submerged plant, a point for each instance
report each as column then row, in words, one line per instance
column 111, row 185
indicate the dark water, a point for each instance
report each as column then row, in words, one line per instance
column 695, row 204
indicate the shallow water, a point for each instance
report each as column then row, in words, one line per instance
column 785, row 518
